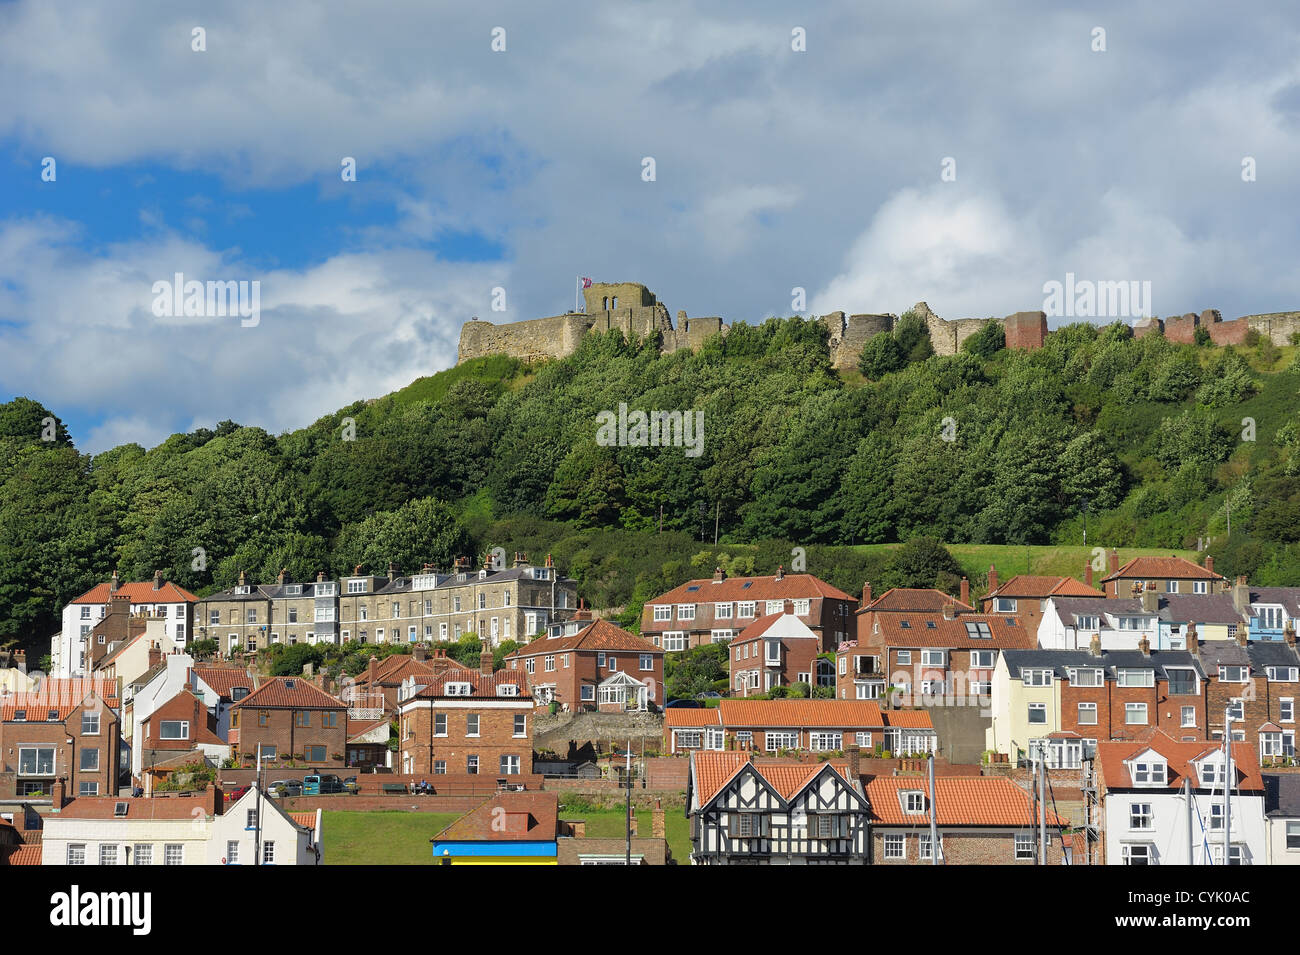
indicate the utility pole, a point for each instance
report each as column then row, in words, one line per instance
column 1228, row 779
column 717, row 513
column 1191, row 838
column 627, row 781
column 1042, row 806
column 257, row 834
column 934, row 825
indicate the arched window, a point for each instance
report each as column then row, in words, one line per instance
column 615, row 305
column 604, row 302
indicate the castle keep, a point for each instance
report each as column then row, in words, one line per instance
column 635, row 311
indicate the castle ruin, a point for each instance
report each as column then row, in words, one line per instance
column 635, row 311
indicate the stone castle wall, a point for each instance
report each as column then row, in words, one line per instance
column 635, row 311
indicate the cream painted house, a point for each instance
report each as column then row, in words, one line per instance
column 1025, row 704
column 107, row 830
column 254, row 830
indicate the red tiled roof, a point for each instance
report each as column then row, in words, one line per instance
column 799, row 713
column 1157, row 568
column 204, row 732
column 962, row 801
column 1036, row 585
column 145, row 807
column 902, row 599
column 25, row 855
column 1006, row 633
column 398, row 666
column 357, row 728
column 305, row 819
column 764, row 624
column 482, row 685
column 140, row 593
column 302, row 694
column 908, row 719
column 791, row 586
column 715, row 769
column 60, row 694
column 683, row 716
column 507, row 817
column 1179, row 757
column 224, row 679
column 598, row 635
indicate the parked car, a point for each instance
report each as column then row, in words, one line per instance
column 684, row 704
column 285, row 787
column 330, row 783
column 233, row 794
column 711, row 695
column 351, row 785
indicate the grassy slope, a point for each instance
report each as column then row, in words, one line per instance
column 1050, row 559
column 402, row 838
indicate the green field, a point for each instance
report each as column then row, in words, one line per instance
column 402, row 838
column 1047, row 559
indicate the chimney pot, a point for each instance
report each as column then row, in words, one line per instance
column 780, row 571
column 157, row 580
column 866, row 593
column 949, row 611
column 1145, row 646
column 320, row 576
column 1113, row 559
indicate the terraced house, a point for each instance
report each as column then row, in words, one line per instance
column 819, row 726
column 250, row 616
column 291, row 719
column 592, row 664
column 66, row 729
column 1025, row 596
column 517, row 603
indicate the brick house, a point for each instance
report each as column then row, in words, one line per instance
column 181, row 725
column 572, row 668
column 821, row 726
column 377, row 686
column 715, row 611
column 466, row 723
column 68, row 729
column 1026, row 595
column 70, row 653
column 1164, row 575
column 981, row 820
column 291, row 718
column 928, row 657
column 1257, row 686
column 1063, row 702
column 776, row 650
column 905, row 601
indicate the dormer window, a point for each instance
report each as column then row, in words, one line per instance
column 1083, row 622
column 912, row 800
column 20, row 716
column 243, row 589
column 1233, row 674
column 1135, row 677
column 1086, row 676
column 1036, row 676
column 293, row 590
column 459, row 689
column 507, row 689
column 1149, row 772
column 1004, row 605
column 1212, row 773
column 979, row 630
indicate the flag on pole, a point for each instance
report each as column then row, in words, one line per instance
column 586, row 282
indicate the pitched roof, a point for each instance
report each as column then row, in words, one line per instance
column 1067, row 608
column 688, row 717
column 762, row 625
column 223, row 680
column 507, row 817
column 482, row 685
column 290, row 692
column 1199, row 608
column 598, row 635
column 61, row 695
column 140, row 593
column 915, row 599
column 1062, row 661
column 359, row 728
column 1158, row 568
column 1042, row 586
column 715, row 769
column 1282, row 795
column 932, row 630
column 144, row 807
column 790, row 586
column 25, row 855
column 396, row 667
column 961, row 801
column 205, row 731
column 1179, row 756
column 306, row 820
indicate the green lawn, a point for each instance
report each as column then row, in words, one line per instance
column 382, row 838
column 1047, row 559
column 402, row 838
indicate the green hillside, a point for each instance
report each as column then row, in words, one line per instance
column 997, row 451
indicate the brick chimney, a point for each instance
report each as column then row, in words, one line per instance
column 1241, row 596
column 550, row 561
column 854, row 753
column 1094, row 645
column 157, row 580
column 949, row 611
column 282, row 575
column 372, row 670
column 113, row 584
column 582, row 613
column 1087, row 572
column 392, row 570
column 719, row 575
column 866, row 593
column 420, row 652
column 1288, row 634
column 965, row 591
column 657, row 827
column 320, row 576
column 1209, row 562
column 58, row 794
column 521, row 559
column 993, row 578
column 1113, row 560
column 1243, row 636
column 1193, row 641
column 243, row 580
column 787, row 606
column 20, row 660
column 485, row 661
column 1150, row 601
column 119, row 604
column 780, row 571
column 155, row 656
column 356, row 571
column 1145, row 646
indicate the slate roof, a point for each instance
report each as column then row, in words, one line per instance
column 1068, row 607
column 1288, row 597
column 1061, row 660
column 1282, row 795
column 1272, row 653
column 1199, row 608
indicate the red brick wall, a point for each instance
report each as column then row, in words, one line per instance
column 291, row 740
column 1229, row 333
column 1182, row 330
column 962, row 848
column 184, row 706
column 67, row 758
column 496, row 739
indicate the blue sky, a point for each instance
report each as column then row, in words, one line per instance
column 521, row 169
